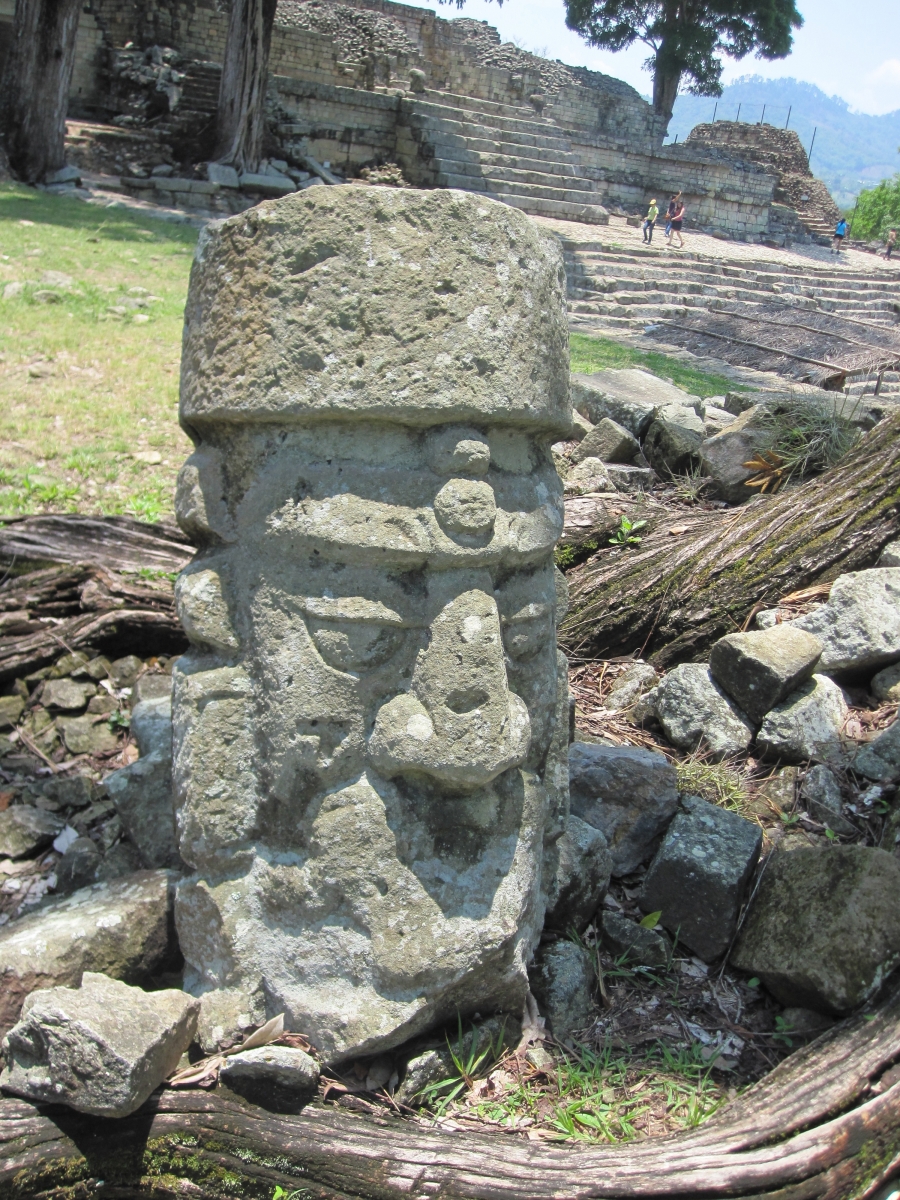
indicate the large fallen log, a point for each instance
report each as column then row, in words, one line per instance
column 674, row 596
column 824, row 1125
column 83, row 607
column 118, row 543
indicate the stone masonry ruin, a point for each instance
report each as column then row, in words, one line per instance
column 371, row 726
column 371, row 82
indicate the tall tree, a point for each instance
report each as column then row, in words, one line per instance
column 242, row 93
column 36, row 87
column 686, row 36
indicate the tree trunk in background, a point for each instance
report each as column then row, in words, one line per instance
column 665, row 86
column 822, row 1126
column 676, row 595
column 245, row 73
column 36, row 87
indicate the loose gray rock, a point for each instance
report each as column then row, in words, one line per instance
column 253, row 1073
column 562, row 984
column 824, row 929
column 859, row 627
column 78, row 866
column 631, row 479
column 25, row 830
column 760, row 668
column 673, row 439
column 804, row 1022
column 590, row 472
column 723, row 456
column 123, row 929
column 634, row 681
column 880, row 759
column 124, row 671
column 431, row 1066
column 644, row 947
column 610, row 442
column 582, row 877
column 886, row 684
column 630, row 397
column 715, row 420
column 151, row 724
column 82, row 736
column 699, row 875
column 101, row 1049
column 67, row 694
column 693, row 710
column 890, row 555
column 11, row 708
column 152, row 687
column 807, row 725
column 821, row 793
column 629, row 794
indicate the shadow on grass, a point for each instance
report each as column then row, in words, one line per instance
column 20, row 203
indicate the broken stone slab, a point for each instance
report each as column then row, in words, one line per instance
column 694, row 711
column 78, row 866
column 629, row 794
column 880, row 759
column 760, row 668
column 83, row 736
column 823, row 931
column 563, row 982
column 699, row 875
column 590, row 473
column 582, row 877
column 629, row 396
column 123, row 929
column 890, row 555
column 722, row 456
column 625, row 478
column 859, row 626
column 643, row 947
column 674, row 439
column 807, row 725
column 609, row 441
column 223, row 175
column 628, row 687
column 371, row 745
column 715, row 420
column 24, row 830
column 101, row 1049
column 886, row 684
column 67, row 694
column 260, row 1075
column 271, row 185
column 821, row 793
column 67, row 174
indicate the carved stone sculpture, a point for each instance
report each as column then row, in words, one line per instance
column 370, row 725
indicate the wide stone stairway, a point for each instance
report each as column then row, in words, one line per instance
column 628, row 288
column 508, row 152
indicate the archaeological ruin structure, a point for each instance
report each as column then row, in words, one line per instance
column 371, row 724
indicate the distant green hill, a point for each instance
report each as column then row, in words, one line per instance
column 852, row 150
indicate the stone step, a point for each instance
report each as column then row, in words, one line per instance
column 522, row 183
column 838, row 295
column 482, row 137
column 502, row 116
column 603, row 253
column 543, row 206
column 548, row 161
column 514, row 175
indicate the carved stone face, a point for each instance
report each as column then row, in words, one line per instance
column 371, row 725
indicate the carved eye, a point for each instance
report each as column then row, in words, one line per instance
column 354, row 645
column 523, row 639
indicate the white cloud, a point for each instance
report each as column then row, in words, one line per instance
column 879, row 91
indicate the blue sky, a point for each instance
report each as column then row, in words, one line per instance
column 848, row 50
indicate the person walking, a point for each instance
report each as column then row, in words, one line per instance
column 670, row 212
column 840, row 232
column 650, row 221
column 890, row 244
column 676, row 223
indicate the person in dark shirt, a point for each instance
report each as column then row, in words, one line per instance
column 676, row 223
column 670, row 212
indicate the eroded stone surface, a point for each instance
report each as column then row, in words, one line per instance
column 760, row 668
column 807, row 725
column 371, row 725
column 859, row 627
column 693, row 711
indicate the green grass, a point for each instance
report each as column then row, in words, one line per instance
column 83, row 387
column 589, row 354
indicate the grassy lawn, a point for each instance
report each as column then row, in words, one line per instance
column 90, row 342
column 591, row 354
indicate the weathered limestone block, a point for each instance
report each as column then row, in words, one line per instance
column 371, row 726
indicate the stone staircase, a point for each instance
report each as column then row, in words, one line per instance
column 614, row 287
column 508, row 152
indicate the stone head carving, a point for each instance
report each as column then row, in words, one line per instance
column 371, row 722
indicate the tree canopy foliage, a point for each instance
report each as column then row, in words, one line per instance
column 687, row 36
column 878, row 210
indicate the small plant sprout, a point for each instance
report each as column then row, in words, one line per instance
column 783, row 1029
column 625, row 534
column 651, row 920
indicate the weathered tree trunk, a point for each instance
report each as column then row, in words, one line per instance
column 36, row 86
column 119, row 543
column 824, row 1125
column 665, row 87
column 675, row 596
column 242, row 93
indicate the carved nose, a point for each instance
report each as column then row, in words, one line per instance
column 459, row 723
